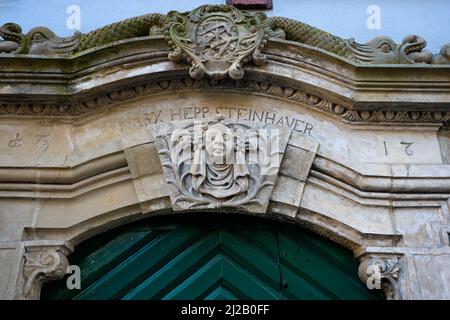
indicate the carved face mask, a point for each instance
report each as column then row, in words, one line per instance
column 219, row 144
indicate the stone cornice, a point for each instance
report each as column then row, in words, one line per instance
column 96, row 102
column 189, row 36
column 73, row 86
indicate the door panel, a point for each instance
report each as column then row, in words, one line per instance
column 211, row 257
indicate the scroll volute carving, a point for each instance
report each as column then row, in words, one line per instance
column 216, row 40
column 381, row 273
column 40, row 266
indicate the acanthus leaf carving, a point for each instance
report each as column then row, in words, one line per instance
column 381, row 273
column 40, row 266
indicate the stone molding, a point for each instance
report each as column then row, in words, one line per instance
column 295, row 169
column 69, row 182
column 295, row 95
column 434, row 185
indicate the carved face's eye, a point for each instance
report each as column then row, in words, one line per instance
column 385, row 47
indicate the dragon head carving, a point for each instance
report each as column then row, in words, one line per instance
column 39, row 40
column 444, row 55
column 383, row 50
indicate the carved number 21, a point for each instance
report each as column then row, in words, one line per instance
column 407, row 146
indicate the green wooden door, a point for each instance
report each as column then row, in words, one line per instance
column 219, row 257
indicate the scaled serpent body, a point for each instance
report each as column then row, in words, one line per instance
column 140, row 26
column 309, row 35
column 129, row 28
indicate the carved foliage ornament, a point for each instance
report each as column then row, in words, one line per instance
column 42, row 266
column 381, row 273
column 220, row 162
column 216, row 40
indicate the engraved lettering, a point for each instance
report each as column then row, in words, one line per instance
column 175, row 114
column 42, row 142
column 407, row 146
column 16, row 142
column 296, row 123
column 385, row 148
column 186, row 113
column 308, row 128
column 255, row 115
column 270, row 118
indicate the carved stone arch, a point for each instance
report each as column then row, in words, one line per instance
column 147, row 166
column 138, row 171
column 367, row 168
column 47, row 260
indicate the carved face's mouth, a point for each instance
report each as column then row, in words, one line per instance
column 220, row 152
column 415, row 47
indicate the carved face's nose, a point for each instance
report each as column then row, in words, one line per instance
column 218, row 146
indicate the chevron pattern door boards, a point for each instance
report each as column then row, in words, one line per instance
column 211, row 257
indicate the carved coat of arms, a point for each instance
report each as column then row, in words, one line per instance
column 216, row 40
column 220, row 162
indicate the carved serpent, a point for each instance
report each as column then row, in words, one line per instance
column 304, row 33
column 15, row 40
column 378, row 50
column 140, row 26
